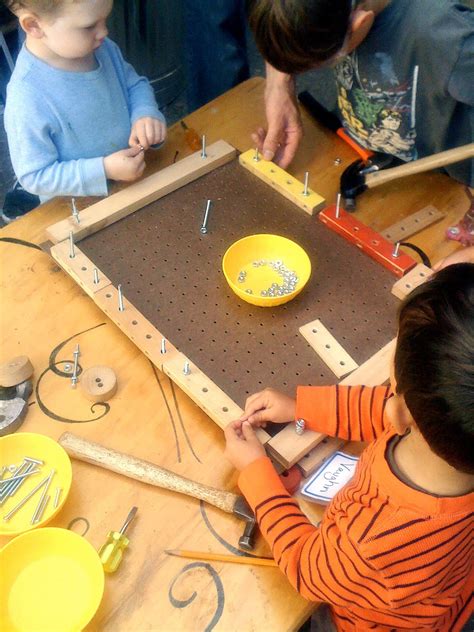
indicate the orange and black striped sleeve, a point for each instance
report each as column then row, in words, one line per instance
column 353, row 413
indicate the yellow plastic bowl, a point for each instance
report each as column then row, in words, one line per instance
column 253, row 257
column 52, row 580
column 13, row 448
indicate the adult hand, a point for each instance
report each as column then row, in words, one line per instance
column 465, row 255
column 281, row 140
column 147, row 131
column 269, row 405
column 126, row 165
column 242, row 445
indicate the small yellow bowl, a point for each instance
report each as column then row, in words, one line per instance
column 13, row 449
column 255, row 263
column 52, row 580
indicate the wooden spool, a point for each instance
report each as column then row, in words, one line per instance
column 99, row 383
column 15, row 371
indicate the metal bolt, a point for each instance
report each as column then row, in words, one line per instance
column 40, row 506
column 186, row 369
column 18, row 477
column 306, row 180
column 163, row 346
column 120, row 297
column 256, row 157
column 338, row 206
column 396, row 250
column 10, row 488
column 72, row 252
column 203, row 150
column 22, row 502
column 76, row 354
column 96, row 276
column 75, row 212
column 203, row 228
column 300, row 426
column 57, row 496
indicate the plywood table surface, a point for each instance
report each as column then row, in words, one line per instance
column 45, row 314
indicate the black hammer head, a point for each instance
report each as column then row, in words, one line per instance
column 352, row 183
column 243, row 511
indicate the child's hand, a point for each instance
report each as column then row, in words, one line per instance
column 126, row 164
column 147, row 131
column 269, row 405
column 242, row 444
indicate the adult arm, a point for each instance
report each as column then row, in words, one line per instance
column 280, row 141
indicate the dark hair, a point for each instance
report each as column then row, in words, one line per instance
column 297, row 35
column 434, row 363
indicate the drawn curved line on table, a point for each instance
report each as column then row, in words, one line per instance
column 173, row 425
column 183, row 428
column 219, row 538
column 79, row 519
column 182, row 603
column 21, row 242
column 53, row 415
column 52, row 356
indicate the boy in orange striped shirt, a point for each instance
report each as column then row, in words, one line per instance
column 394, row 548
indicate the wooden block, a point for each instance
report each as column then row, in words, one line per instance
column 411, row 280
column 130, row 199
column 98, row 383
column 80, row 268
column 376, row 370
column 366, row 239
column 207, row 395
column 283, row 182
column 328, row 348
column 412, row 224
column 288, row 447
column 321, row 453
column 15, row 371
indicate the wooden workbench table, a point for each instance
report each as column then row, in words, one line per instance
column 45, row 314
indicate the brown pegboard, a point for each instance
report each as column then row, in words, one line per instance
column 172, row 274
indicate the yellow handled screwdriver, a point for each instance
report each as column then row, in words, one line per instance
column 111, row 552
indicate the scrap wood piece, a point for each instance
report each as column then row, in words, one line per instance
column 366, row 239
column 319, row 454
column 288, row 447
column 411, row 280
column 374, row 371
column 282, row 181
column 99, row 383
column 15, row 371
column 134, row 197
column 328, row 348
column 79, row 267
column 412, row 224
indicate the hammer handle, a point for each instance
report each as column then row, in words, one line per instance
column 419, row 166
column 144, row 471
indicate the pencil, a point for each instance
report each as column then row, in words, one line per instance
column 217, row 557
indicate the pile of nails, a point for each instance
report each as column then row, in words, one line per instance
column 289, row 278
column 12, row 478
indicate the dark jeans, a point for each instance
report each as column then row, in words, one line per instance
column 216, row 52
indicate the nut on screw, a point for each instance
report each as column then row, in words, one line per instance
column 300, row 426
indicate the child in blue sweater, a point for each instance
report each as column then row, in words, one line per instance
column 76, row 114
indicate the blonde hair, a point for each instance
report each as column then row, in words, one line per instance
column 41, row 7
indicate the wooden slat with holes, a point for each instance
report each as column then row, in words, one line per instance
column 412, row 224
column 80, row 268
column 328, row 348
column 280, row 180
column 127, row 201
column 376, row 370
column 314, row 459
column 420, row 274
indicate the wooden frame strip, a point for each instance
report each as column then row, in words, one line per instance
column 420, row 274
column 289, row 447
column 328, row 348
column 375, row 371
column 80, row 268
column 283, row 182
column 319, row 454
column 130, row 199
column 412, row 224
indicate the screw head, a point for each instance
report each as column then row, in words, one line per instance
column 203, row 230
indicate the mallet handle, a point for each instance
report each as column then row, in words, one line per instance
column 418, row 166
column 144, row 471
